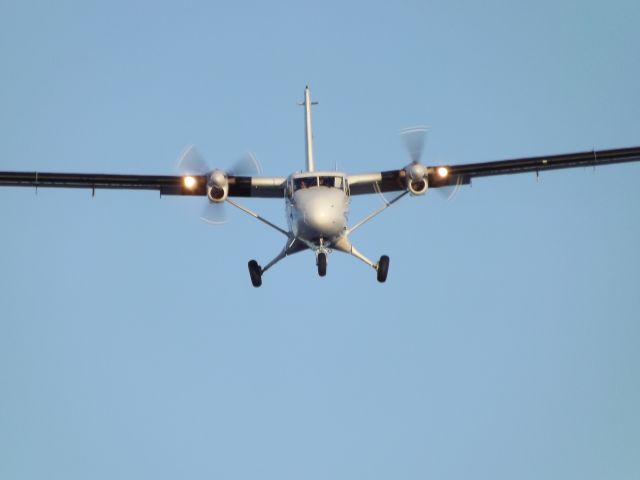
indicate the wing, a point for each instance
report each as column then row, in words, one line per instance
column 274, row 187
column 265, row 187
column 444, row 176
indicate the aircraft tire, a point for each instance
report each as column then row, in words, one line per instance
column 322, row 264
column 255, row 272
column 383, row 268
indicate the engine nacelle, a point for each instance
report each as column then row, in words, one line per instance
column 418, row 187
column 218, row 186
column 416, row 178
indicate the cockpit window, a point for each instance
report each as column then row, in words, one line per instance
column 323, row 181
column 308, row 182
column 326, row 182
column 335, row 182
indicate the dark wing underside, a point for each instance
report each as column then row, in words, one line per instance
column 394, row 180
column 165, row 184
column 274, row 187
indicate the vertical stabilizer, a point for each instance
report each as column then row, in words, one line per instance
column 308, row 134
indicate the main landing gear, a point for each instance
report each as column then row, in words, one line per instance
column 383, row 268
column 255, row 272
column 322, row 252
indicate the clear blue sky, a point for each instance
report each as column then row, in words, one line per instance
column 505, row 343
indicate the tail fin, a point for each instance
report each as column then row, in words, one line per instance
column 308, row 133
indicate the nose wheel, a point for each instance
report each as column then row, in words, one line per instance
column 383, row 268
column 322, row 264
column 255, row 272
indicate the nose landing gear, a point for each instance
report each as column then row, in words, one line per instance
column 321, row 260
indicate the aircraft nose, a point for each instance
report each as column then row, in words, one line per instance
column 326, row 219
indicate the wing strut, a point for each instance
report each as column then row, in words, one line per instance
column 258, row 217
column 376, row 213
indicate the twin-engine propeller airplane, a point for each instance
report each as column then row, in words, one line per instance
column 316, row 202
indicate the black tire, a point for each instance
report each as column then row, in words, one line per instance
column 255, row 272
column 322, row 264
column 383, row 268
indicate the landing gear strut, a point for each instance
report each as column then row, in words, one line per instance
column 255, row 272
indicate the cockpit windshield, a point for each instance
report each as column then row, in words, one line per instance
column 335, row 182
column 307, row 182
column 323, row 181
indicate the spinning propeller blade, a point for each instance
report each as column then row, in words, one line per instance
column 191, row 162
column 450, row 192
column 246, row 166
column 414, row 138
column 214, row 213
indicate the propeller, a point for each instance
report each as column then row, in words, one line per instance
column 191, row 162
column 416, row 172
column 246, row 166
column 449, row 192
column 414, row 140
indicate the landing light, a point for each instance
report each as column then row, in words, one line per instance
column 443, row 172
column 189, row 182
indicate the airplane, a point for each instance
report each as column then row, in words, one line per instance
column 316, row 202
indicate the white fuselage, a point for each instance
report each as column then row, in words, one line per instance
column 317, row 202
column 317, row 214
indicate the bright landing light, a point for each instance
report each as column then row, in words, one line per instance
column 443, row 172
column 189, row 182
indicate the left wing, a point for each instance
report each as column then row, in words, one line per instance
column 265, row 187
column 444, row 176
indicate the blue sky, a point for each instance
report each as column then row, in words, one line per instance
column 505, row 341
